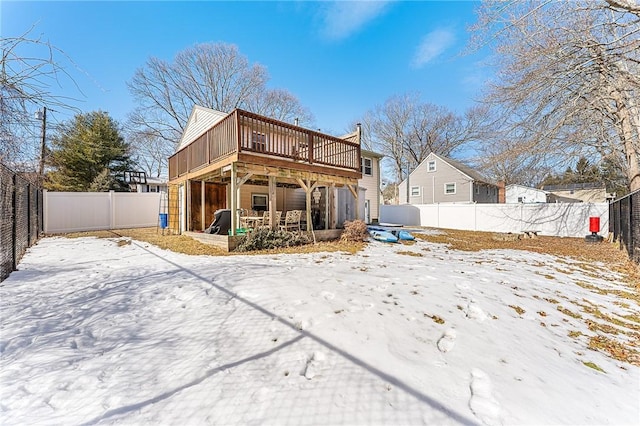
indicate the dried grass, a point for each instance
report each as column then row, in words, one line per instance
column 187, row 245
column 574, row 248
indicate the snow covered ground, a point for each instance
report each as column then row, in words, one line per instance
column 96, row 331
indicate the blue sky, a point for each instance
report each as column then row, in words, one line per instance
column 339, row 58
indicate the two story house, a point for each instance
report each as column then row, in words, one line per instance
column 438, row 179
column 243, row 160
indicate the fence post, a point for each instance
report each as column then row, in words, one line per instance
column 40, row 203
column 632, row 243
column 14, row 225
column 620, row 231
column 112, row 210
column 45, row 218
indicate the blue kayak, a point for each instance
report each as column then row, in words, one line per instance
column 382, row 235
column 403, row 235
column 398, row 233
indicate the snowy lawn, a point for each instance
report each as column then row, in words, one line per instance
column 96, row 331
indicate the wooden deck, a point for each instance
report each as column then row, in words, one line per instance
column 253, row 139
column 228, row 243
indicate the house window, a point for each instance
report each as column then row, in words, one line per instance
column 365, row 166
column 258, row 141
column 477, row 189
column 431, row 166
column 259, row 202
column 449, row 188
column 520, row 200
column 415, row 191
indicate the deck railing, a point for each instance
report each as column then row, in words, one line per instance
column 243, row 131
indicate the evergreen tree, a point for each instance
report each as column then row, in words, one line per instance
column 82, row 149
column 614, row 177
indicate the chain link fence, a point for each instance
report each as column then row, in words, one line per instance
column 21, row 217
column 624, row 223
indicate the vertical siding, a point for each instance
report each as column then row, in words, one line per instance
column 295, row 200
column 286, row 198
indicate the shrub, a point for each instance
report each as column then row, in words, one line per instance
column 264, row 238
column 355, row 231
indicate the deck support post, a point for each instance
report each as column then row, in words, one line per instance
column 203, row 215
column 187, row 211
column 308, row 187
column 234, row 200
column 272, row 202
column 239, row 182
column 326, row 207
column 331, row 200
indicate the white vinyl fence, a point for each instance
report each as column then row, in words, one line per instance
column 92, row 211
column 559, row 219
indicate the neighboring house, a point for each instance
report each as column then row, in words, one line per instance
column 153, row 184
column 524, row 194
column 593, row 192
column 243, row 160
column 443, row 180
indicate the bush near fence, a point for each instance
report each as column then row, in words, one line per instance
column 21, row 214
column 624, row 223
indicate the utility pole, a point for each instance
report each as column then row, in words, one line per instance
column 42, row 115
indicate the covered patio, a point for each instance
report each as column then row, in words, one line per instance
column 244, row 161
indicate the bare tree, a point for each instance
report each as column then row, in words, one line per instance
column 213, row 75
column 150, row 152
column 30, row 69
column 406, row 130
column 568, row 80
column 279, row 104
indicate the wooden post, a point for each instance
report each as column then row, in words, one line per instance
column 272, row 202
column 203, row 215
column 308, row 202
column 187, row 210
column 308, row 187
column 326, row 207
column 234, row 200
column 331, row 200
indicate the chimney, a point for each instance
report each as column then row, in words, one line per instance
column 501, row 192
column 295, row 121
column 359, row 131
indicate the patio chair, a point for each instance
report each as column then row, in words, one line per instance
column 291, row 221
column 265, row 219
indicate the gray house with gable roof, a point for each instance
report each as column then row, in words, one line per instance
column 440, row 179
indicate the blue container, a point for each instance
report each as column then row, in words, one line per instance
column 164, row 220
